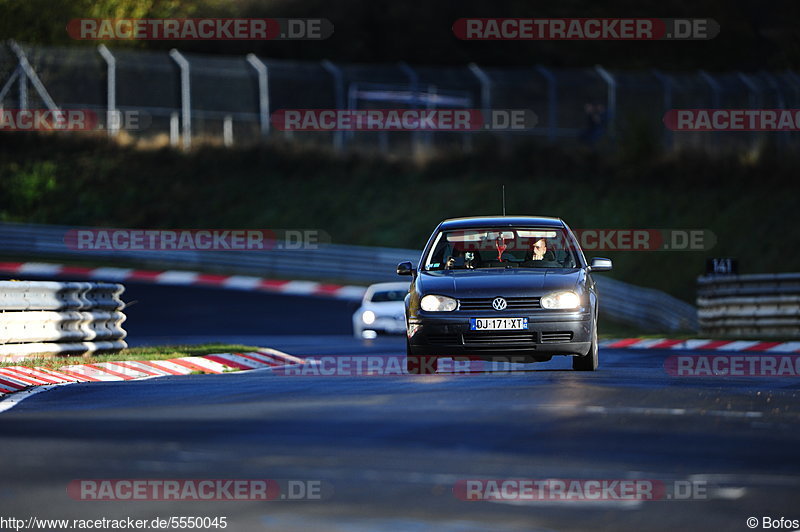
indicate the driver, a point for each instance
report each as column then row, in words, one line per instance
column 539, row 251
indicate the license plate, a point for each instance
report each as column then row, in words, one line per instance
column 498, row 324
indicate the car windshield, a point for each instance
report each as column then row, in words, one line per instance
column 502, row 248
column 382, row 296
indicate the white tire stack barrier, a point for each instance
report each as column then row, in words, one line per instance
column 44, row 317
column 758, row 305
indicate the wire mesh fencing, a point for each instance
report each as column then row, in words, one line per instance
column 189, row 97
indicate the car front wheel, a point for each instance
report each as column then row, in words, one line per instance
column 590, row 360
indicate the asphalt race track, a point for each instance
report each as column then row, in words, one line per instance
column 389, row 449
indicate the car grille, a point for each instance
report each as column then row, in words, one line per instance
column 556, row 337
column 444, row 339
column 480, row 304
column 499, row 338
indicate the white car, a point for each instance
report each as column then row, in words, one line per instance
column 382, row 311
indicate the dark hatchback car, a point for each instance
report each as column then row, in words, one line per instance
column 502, row 288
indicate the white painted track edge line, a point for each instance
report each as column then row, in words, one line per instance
column 16, row 398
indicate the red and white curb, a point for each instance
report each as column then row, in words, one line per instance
column 17, row 378
column 186, row 278
column 703, row 345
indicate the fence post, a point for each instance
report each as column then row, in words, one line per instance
column 714, row 86
column 338, row 77
column 27, row 71
column 263, row 92
column 715, row 92
column 23, row 91
column 794, row 81
column 666, row 82
column 9, row 84
column 755, row 93
column 552, row 101
column 186, row 104
column 227, row 131
column 413, row 80
column 174, row 129
column 775, row 84
column 112, row 120
column 754, row 98
column 486, row 88
column 429, row 106
column 612, row 99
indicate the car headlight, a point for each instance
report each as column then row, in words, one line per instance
column 432, row 303
column 368, row 317
column 561, row 300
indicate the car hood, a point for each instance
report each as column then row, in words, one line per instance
column 493, row 282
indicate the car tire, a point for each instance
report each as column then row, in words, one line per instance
column 419, row 365
column 590, row 360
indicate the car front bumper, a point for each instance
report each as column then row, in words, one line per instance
column 548, row 333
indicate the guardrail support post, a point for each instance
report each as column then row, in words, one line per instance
column 186, row 104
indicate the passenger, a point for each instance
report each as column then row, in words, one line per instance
column 457, row 260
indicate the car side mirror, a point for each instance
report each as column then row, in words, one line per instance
column 405, row 268
column 600, row 265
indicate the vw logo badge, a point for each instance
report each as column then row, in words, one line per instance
column 499, row 303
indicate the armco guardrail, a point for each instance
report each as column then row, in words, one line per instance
column 327, row 261
column 646, row 308
column 38, row 317
column 756, row 305
column 643, row 307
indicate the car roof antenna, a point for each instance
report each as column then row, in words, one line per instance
column 504, row 200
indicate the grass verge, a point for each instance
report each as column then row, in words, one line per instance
column 136, row 353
